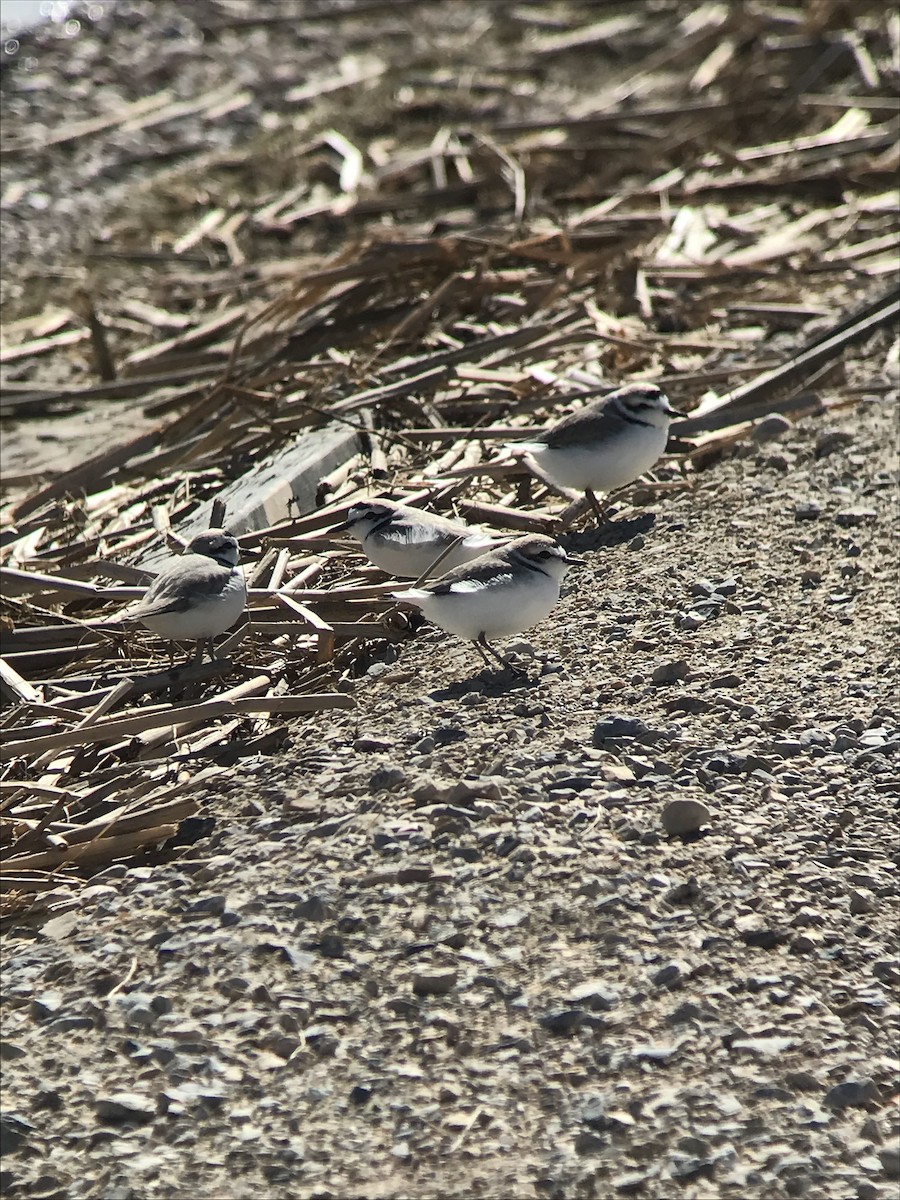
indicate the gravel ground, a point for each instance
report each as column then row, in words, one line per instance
column 445, row 945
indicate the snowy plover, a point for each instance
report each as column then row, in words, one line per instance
column 405, row 541
column 196, row 596
column 499, row 594
column 606, row 445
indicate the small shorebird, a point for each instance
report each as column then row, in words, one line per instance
column 405, row 541
column 502, row 593
column 197, row 595
column 605, row 445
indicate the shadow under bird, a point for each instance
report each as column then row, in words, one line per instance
column 197, row 595
column 405, row 541
column 605, row 445
column 500, row 594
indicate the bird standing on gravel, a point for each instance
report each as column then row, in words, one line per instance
column 500, row 594
column 405, row 541
column 196, row 596
column 605, row 445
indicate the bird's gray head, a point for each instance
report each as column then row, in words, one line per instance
column 646, row 402
column 543, row 554
column 365, row 515
column 217, row 544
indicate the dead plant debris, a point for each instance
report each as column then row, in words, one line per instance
column 451, row 259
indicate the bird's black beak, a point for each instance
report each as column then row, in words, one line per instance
column 573, row 561
column 673, row 412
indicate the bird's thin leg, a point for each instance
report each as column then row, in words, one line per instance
column 602, row 518
column 478, row 644
column 484, row 647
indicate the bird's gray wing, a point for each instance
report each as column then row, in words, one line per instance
column 418, row 534
column 190, row 578
column 595, row 423
column 490, row 568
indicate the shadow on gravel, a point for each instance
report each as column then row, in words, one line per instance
column 612, row 533
column 486, row 683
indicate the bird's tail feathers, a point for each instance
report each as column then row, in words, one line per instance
column 413, row 595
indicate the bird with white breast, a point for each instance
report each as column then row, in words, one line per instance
column 406, row 542
column 607, row 444
column 500, row 594
column 197, row 595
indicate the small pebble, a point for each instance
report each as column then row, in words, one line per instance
column 691, row 620
column 669, row 976
column 889, row 1156
column 434, row 983
column 594, row 995
column 680, row 817
column 854, row 1093
column 807, row 510
column 563, row 1020
column 862, row 901
column 849, row 517
column 670, row 672
column 771, row 427
column 125, row 1106
column 618, row 727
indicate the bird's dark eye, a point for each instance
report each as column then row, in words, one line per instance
column 546, row 554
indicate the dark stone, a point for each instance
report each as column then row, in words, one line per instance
column 764, row 939
column 594, row 1113
column 68, row 1024
column 13, row 1132
column 192, row 830
column 208, row 906
column 445, row 734
column 726, row 763
column 125, row 1106
column 616, row 726
column 387, row 779
column 587, row 1142
column 332, row 946
column 854, row 1093
column 807, row 510
column 670, row 672
column 855, row 516
column 688, row 1011
column 313, row 908
column 45, row 1005
column 575, row 783
column 669, row 976
column 687, row 1169
column 594, row 997
column 563, row 1020
column 368, row 745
